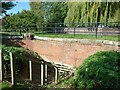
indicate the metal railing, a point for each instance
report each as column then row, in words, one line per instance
column 95, row 28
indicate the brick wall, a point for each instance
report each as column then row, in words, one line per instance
column 71, row 53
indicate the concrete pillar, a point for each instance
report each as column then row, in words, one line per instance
column 1, row 65
column 42, row 74
column 45, row 73
column 56, row 75
column 12, row 69
column 30, row 68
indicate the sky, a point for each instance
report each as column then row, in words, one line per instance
column 24, row 4
column 19, row 7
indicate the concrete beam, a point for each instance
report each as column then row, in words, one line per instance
column 30, row 68
column 1, row 67
column 42, row 74
column 46, row 73
column 56, row 75
column 12, row 69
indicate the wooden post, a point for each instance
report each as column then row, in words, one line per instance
column 30, row 68
column 45, row 73
column 12, row 69
column 1, row 65
column 42, row 74
column 56, row 75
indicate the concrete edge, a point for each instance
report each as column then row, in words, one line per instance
column 54, row 63
column 83, row 41
column 11, row 37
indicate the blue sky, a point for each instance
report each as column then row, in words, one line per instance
column 19, row 7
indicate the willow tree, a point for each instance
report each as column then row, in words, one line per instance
column 93, row 12
column 73, row 14
column 81, row 12
column 114, row 12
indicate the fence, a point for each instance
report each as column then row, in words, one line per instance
column 95, row 28
column 83, row 28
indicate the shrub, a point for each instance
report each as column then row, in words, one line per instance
column 101, row 70
column 18, row 54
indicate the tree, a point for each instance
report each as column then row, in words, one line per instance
column 35, row 8
column 54, row 12
column 6, row 6
column 92, row 12
column 25, row 21
column 74, row 13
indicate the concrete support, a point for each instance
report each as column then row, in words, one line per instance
column 30, row 68
column 1, row 67
column 12, row 69
column 42, row 74
column 56, row 75
column 45, row 73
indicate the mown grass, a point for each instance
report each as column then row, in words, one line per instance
column 80, row 36
column 76, row 36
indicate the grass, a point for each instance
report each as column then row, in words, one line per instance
column 9, row 33
column 77, row 36
column 80, row 36
column 4, row 85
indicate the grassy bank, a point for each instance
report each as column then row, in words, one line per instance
column 79, row 36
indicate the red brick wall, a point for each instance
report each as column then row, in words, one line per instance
column 72, row 53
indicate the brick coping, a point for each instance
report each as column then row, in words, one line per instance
column 83, row 41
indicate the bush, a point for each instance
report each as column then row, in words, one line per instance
column 20, row 56
column 101, row 70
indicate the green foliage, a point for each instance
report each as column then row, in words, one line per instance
column 24, row 21
column 101, row 70
column 17, row 52
column 4, row 85
column 39, row 14
column 92, row 12
column 7, row 6
column 69, row 13
column 36, row 10
column 54, row 12
column 68, row 83
column 73, row 14
column 17, row 55
column 20, row 56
